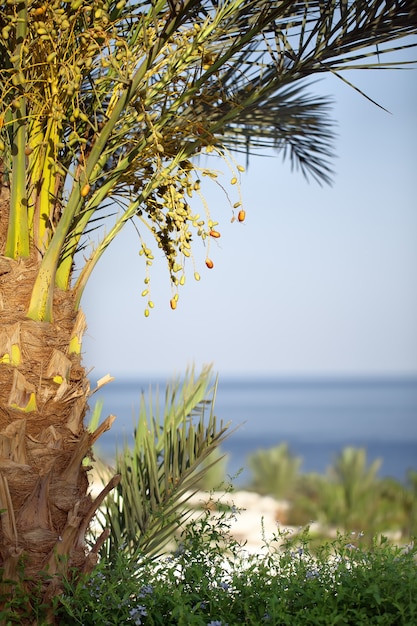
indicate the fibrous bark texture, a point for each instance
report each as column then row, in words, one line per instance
column 45, row 507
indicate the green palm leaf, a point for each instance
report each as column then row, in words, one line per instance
column 170, row 457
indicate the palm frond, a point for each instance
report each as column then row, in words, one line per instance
column 170, row 457
column 109, row 103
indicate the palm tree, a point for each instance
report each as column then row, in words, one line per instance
column 104, row 109
column 357, row 489
column 275, row 471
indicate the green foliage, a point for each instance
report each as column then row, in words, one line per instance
column 215, row 474
column 171, row 455
column 351, row 471
column 22, row 601
column 350, row 495
column 410, row 503
column 274, row 471
column 210, row 580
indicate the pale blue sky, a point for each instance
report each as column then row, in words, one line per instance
column 317, row 281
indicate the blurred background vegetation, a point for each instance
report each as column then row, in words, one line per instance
column 349, row 496
column 176, row 454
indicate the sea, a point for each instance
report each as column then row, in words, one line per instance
column 316, row 417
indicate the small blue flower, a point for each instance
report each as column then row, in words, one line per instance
column 137, row 613
column 299, row 552
column 145, row 591
column 224, row 586
column 216, row 622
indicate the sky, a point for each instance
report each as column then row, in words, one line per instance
column 318, row 280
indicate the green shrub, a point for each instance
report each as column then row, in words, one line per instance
column 274, row 471
column 352, row 497
column 349, row 496
column 210, row 580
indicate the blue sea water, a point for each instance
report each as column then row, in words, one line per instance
column 316, row 417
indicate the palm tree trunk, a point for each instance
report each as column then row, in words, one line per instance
column 45, row 506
